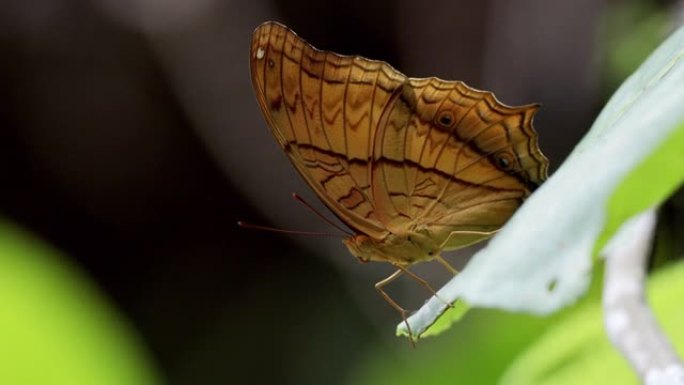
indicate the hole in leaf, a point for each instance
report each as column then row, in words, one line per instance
column 551, row 286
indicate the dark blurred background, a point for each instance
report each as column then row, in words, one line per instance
column 131, row 140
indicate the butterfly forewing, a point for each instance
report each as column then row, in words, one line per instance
column 324, row 109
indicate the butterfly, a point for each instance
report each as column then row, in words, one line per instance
column 414, row 166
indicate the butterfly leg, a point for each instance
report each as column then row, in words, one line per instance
column 446, row 264
column 413, row 275
column 393, row 303
column 423, row 282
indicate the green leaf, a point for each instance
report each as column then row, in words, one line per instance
column 649, row 184
column 55, row 327
column 577, row 351
column 476, row 350
column 542, row 259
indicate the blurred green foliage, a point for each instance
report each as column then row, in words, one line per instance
column 56, row 327
column 490, row 347
column 649, row 184
column 577, row 351
column 631, row 30
column 476, row 350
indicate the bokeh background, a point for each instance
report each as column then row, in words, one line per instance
column 131, row 143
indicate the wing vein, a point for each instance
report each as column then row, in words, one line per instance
column 282, row 88
column 344, row 111
column 371, row 136
column 325, row 133
column 301, row 91
column 441, row 150
column 422, row 150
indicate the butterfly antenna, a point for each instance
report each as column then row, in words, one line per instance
column 246, row 225
column 301, row 200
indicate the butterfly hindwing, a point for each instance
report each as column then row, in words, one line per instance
column 451, row 158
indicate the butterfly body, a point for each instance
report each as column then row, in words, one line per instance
column 413, row 165
column 402, row 249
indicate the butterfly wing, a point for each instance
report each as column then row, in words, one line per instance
column 450, row 159
column 323, row 109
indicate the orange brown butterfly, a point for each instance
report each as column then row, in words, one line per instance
column 414, row 166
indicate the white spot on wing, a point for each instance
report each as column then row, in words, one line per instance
column 260, row 53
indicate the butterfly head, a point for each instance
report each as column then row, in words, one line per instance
column 404, row 249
